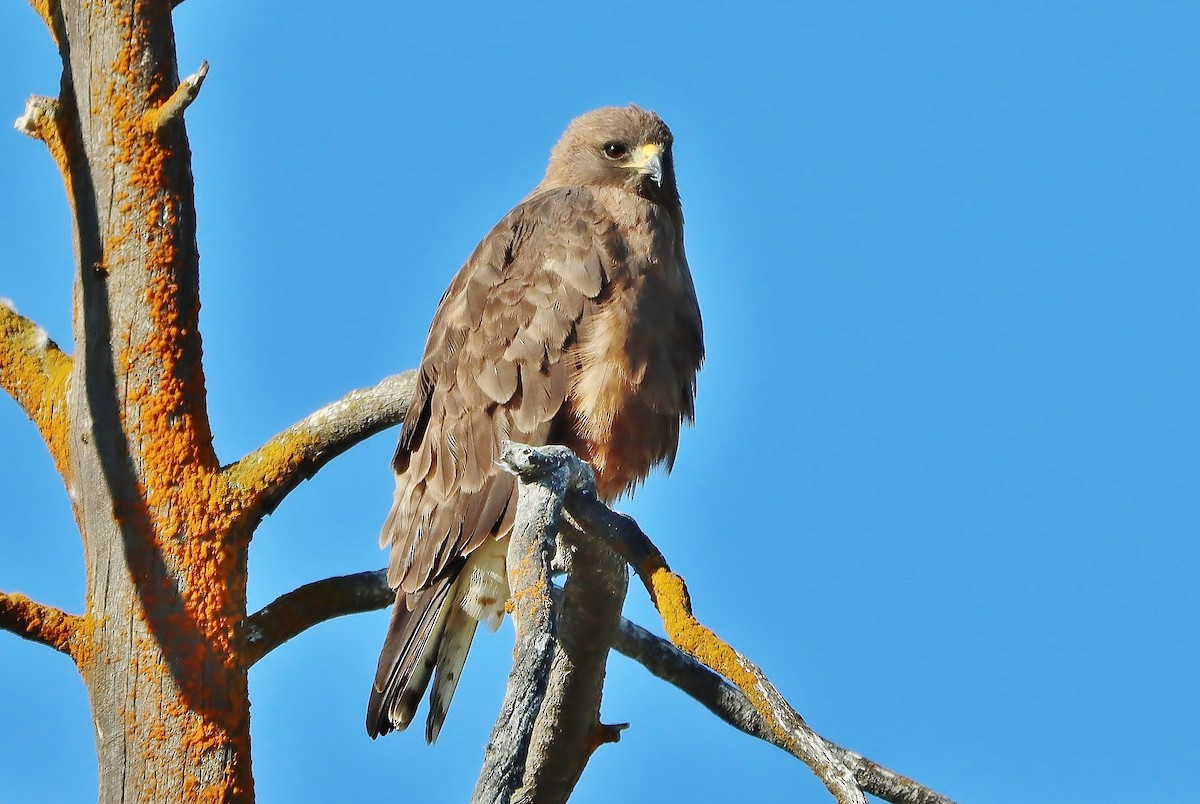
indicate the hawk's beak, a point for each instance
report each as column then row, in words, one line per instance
column 648, row 162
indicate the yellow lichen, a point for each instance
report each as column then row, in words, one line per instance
column 670, row 597
column 35, row 373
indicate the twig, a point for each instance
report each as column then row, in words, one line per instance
column 38, row 622
column 181, row 98
column 300, row 609
column 271, row 472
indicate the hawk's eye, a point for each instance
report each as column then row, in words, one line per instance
column 615, row 150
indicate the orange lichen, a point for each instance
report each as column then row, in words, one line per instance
column 45, row 10
column 38, row 622
column 83, row 646
column 190, row 570
column 271, row 464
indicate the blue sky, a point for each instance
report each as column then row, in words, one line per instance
column 944, row 481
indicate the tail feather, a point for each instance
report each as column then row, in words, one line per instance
column 429, row 637
column 451, row 656
column 408, row 657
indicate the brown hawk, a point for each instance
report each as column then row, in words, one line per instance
column 574, row 322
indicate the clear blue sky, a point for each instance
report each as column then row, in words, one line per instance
column 944, row 480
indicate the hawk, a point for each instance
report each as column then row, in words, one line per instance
column 574, row 322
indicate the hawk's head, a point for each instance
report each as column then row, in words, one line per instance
column 616, row 146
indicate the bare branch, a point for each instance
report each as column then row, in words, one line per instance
column 543, row 484
column 267, row 475
column 38, row 622
column 181, row 98
column 300, row 609
column 35, row 372
column 727, row 702
column 670, row 596
column 369, row 591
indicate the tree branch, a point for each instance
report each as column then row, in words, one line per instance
column 46, row 9
column 267, row 475
column 38, row 622
column 730, row 704
column 43, row 120
column 34, row 372
column 670, row 596
column 299, row 610
column 295, row 612
column 543, row 484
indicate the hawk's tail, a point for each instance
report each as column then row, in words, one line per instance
column 429, row 630
column 408, row 657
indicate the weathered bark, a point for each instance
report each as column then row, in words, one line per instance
column 161, row 646
column 165, row 568
column 549, row 724
column 568, row 729
column 535, row 621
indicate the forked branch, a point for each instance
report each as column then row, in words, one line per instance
column 38, row 622
column 368, row 591
column 267, row 475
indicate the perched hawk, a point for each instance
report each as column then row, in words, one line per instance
column 574, row 322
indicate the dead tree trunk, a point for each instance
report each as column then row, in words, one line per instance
column 164, row 550
column 162, row 645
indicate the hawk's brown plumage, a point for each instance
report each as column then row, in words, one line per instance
column 574, row 322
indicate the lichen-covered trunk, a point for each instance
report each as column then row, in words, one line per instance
column 165, row 556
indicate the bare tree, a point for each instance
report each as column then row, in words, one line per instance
column 165, row 641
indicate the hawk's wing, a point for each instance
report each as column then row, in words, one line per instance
column 493, row 369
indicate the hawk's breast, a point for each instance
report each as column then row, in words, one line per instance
column 636, row 355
